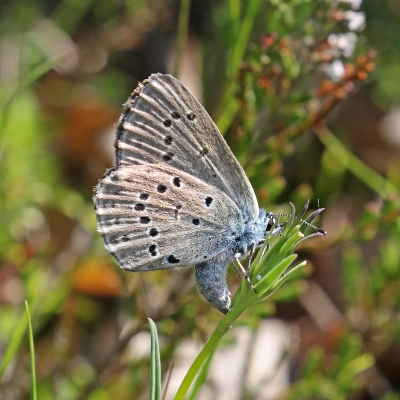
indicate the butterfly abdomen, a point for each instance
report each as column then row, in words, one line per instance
column 211, row 281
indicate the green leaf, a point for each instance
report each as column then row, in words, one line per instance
column 286, row 276
column 155, row 363
column 358, row 365
column 263, row 285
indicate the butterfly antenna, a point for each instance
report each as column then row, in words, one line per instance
column 316, row 229
column 284, row 215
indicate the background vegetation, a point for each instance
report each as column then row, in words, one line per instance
column 307, row 95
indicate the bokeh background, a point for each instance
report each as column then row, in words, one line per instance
column 307, row 94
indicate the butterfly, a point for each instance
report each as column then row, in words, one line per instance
column 177, row 196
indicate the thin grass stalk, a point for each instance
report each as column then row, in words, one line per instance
column 352, row 163
column 182, row 34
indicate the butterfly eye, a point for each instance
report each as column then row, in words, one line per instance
column 271, row 222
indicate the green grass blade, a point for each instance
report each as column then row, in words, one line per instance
column 287, row 275
column 263, row 285
column 14, row 344
column 366, row 174
column 155, row 363
column 32, row 353
column 291, row 243
column 242, row 38
column 29, row 80
column 181, row 35
column 229, row 104
column 234, row 16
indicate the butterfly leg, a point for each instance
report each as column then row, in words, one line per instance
column 252, row 251
column 265, row 249
column 245, row 273
column 237, row 271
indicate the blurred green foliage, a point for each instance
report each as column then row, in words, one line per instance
column 272, row 74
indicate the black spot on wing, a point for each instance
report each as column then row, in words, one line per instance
column 161, row 188
column 153, row 232
column 168, row 156
column 177, row 181
column 208, row 200
column 172, row 259
column 175, row 115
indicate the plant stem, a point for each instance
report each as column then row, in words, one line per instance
column 366, row 174
column 212, row 342
column 181, row 35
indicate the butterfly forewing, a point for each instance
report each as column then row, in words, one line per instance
column 164, row 123
column 155, row 216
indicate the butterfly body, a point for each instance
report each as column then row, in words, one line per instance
column 176, row 195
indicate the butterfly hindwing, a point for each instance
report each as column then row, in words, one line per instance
column 164, row 123
column 155, row 216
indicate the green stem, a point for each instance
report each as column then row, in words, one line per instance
column 366, row 174
column 223, row 327
column 243, row 39
column 234, row 64
column 32, row 353
column 234, row 15
column 28, row 81
column 181, row 35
